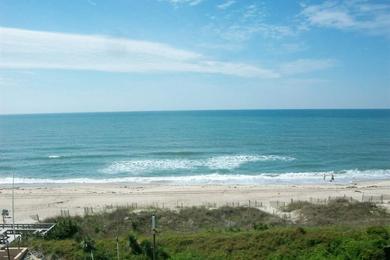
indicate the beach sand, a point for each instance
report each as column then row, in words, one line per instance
column 47, row 200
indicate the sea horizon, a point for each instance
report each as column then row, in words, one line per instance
column 188, row 110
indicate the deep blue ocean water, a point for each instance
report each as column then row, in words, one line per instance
column 192, row 147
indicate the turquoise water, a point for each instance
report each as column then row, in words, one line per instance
column 248, row 147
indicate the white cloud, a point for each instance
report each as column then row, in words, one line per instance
column 184, row 2
column 243, row 32
column 302, row 66
column 238, row 25
column 252, row 11
column 364, row 16
column 26, row 49
column 226, row 4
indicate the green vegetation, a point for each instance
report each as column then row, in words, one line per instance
column 192, row 219
column 321, row 232
column 277, row 243
column 65, row 228
column 339, row 212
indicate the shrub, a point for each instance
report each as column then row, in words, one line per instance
column 65, row 228
column 260, row 226
column 134, row 245
column 378, row 231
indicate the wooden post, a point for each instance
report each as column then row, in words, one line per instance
column 117, row 247
column 154, row 236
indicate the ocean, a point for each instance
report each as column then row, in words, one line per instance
column 196, row 147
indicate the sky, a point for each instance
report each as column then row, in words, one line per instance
column 93, row 56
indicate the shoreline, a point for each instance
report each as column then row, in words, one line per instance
column 288, row 178
column 47, row 200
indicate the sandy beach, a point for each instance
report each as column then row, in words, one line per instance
column 48, row 200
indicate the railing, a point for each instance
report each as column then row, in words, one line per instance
column 28, row 226
column 4, row 239
column 9, row 232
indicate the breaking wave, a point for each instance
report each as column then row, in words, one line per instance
column 226, row 162
column 344, row 176
column 54, row 156
column 140, row 166
column 231, row 162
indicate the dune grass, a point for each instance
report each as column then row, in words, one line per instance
column 339, row 212
column 338, row 230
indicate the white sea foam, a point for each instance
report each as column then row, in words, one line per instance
column 226, row 162
column 235, row 161
column 54, row 156
column 344, row 176
column 141, row 166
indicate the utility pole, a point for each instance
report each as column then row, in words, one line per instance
column 154, row 231
column 13, row 203
column 8, row 254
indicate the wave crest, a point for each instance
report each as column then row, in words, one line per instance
column 140, row 166
column 343, row 176
column 54, row 156
column 225, row 162
column 231, row 162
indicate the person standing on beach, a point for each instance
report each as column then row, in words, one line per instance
column 332, row 177
column 324, row 176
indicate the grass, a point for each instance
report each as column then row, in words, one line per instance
column 278, row 243
column 191, row 219
column 338, row 230
column 274, row 243
column 339, row 212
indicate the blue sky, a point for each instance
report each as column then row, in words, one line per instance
column 92, row 55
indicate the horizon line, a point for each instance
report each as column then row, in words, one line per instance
column 187, row 110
